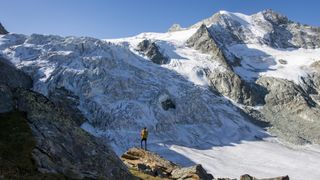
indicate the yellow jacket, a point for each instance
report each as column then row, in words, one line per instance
column 144, row 134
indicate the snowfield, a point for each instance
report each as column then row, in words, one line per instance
column 120, row 91
column 262, row 159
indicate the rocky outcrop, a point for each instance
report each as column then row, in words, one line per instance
column 231, row 85
column 153, row 164
column 203, row 41
column 3, row 30
column 292, row 112
column 152, row 51
column 62, row 147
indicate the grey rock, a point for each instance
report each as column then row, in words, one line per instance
column 225, row 82
column 62, row 147
column 61, row 97
column 202, row 40
column 230, row 84
column 152, row 51
column 282, row 61
column 193, row 172
column 3, row 30
column 248, row 177
column 292, row 113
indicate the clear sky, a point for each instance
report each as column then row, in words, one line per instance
column 122, row 18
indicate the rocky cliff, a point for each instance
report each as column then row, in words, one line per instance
column 61, row 147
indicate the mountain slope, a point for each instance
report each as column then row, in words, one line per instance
column 197, row 88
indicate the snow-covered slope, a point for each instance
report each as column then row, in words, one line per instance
column 119, row 89
column 120, row 92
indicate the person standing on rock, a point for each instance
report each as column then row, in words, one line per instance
column 144, row 137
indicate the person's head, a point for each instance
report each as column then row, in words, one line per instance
column 145, row 128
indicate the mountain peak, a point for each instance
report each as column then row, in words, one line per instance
column 175, row 27
column 274, row 17
column 3, row 30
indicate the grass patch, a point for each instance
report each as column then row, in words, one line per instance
column 16, row 145
column 144, row 176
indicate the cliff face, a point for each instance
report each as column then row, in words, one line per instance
column 60, row 147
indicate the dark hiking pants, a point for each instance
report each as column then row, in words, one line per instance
column 145, row 143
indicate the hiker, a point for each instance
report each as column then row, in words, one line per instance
column 144, row 136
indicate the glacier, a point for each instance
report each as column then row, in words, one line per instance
column 119, row 91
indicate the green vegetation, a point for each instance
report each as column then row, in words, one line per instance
column 16, row 145
column 144, row 176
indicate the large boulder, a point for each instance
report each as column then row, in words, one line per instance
column 193, row 172
column 148, row 162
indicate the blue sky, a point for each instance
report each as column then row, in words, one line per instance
column 122, row 18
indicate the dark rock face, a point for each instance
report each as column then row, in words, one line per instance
column 6, row 100
column 62, row 147
column 152, row 51
column 3, row 30
column 12, row 77
column 69, row 102
column 167, row 104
